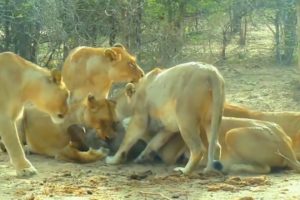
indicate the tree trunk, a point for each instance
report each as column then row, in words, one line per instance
column 289, row 22
column 138, row 24
column 7, row 26
column 224, row 45
column 22, row 40
column 243, row 32
column 113, row 29
column 298, row 31
column 277, row 38
column 236, row 16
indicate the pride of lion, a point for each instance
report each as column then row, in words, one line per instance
column 109, row 65
column 177, row 112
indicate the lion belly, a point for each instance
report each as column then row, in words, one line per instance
column 167, row 117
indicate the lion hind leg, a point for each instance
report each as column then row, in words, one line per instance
column 191, row 135
column 250, row 149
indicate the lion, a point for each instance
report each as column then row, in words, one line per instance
column 247, row 145
column 65, row 141
column 22, row 81
column 93, row 70
column 289, row 121
column 185, row 99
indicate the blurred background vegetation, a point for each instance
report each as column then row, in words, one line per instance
column 158, row 32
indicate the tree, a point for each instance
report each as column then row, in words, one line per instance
column 289, row 25
column 158, row 32
column 298, row 30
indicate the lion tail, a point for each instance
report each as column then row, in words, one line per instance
column 286, row 151
column 290, row 157
column 218, row 98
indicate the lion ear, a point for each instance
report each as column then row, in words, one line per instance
column 111, row 54
column 91, row 102
column 119, row 45
column 56, row 75
column 129, row 89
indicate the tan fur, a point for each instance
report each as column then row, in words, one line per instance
column 71, row 153
column 88, row 69
column 22, row 81
column 289, row 121
column 55, row 140
column 248, row 145
column 183, row 98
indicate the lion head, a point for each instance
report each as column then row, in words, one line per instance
column 100, row 115
column 51, row 95
column 124, row 66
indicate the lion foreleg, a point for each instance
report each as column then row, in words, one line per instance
column 135, row 131
column 13, row 146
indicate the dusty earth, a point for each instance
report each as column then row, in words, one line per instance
column 260, row 87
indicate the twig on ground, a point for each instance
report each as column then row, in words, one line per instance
column 153, row 193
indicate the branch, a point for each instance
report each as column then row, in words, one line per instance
column 152, row 193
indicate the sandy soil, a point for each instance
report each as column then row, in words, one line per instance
column 267, row 88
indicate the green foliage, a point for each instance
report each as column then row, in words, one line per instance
column 159, row 32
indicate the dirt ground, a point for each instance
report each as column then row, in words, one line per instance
column 260, row 87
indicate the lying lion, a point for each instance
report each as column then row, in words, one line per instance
column 289, row 121
column 185, row 98
column 93, row 70
column 64, row 141
column 247, row 145
column 22, row 81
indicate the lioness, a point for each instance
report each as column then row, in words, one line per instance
column 183, row 98
column 289, row 121
column 22, row 81
column 63, row 141
column 247, row 145
column 93, row 70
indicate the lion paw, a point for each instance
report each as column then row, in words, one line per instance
column 26, row 172
column 183, row 170
column 112, row 160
